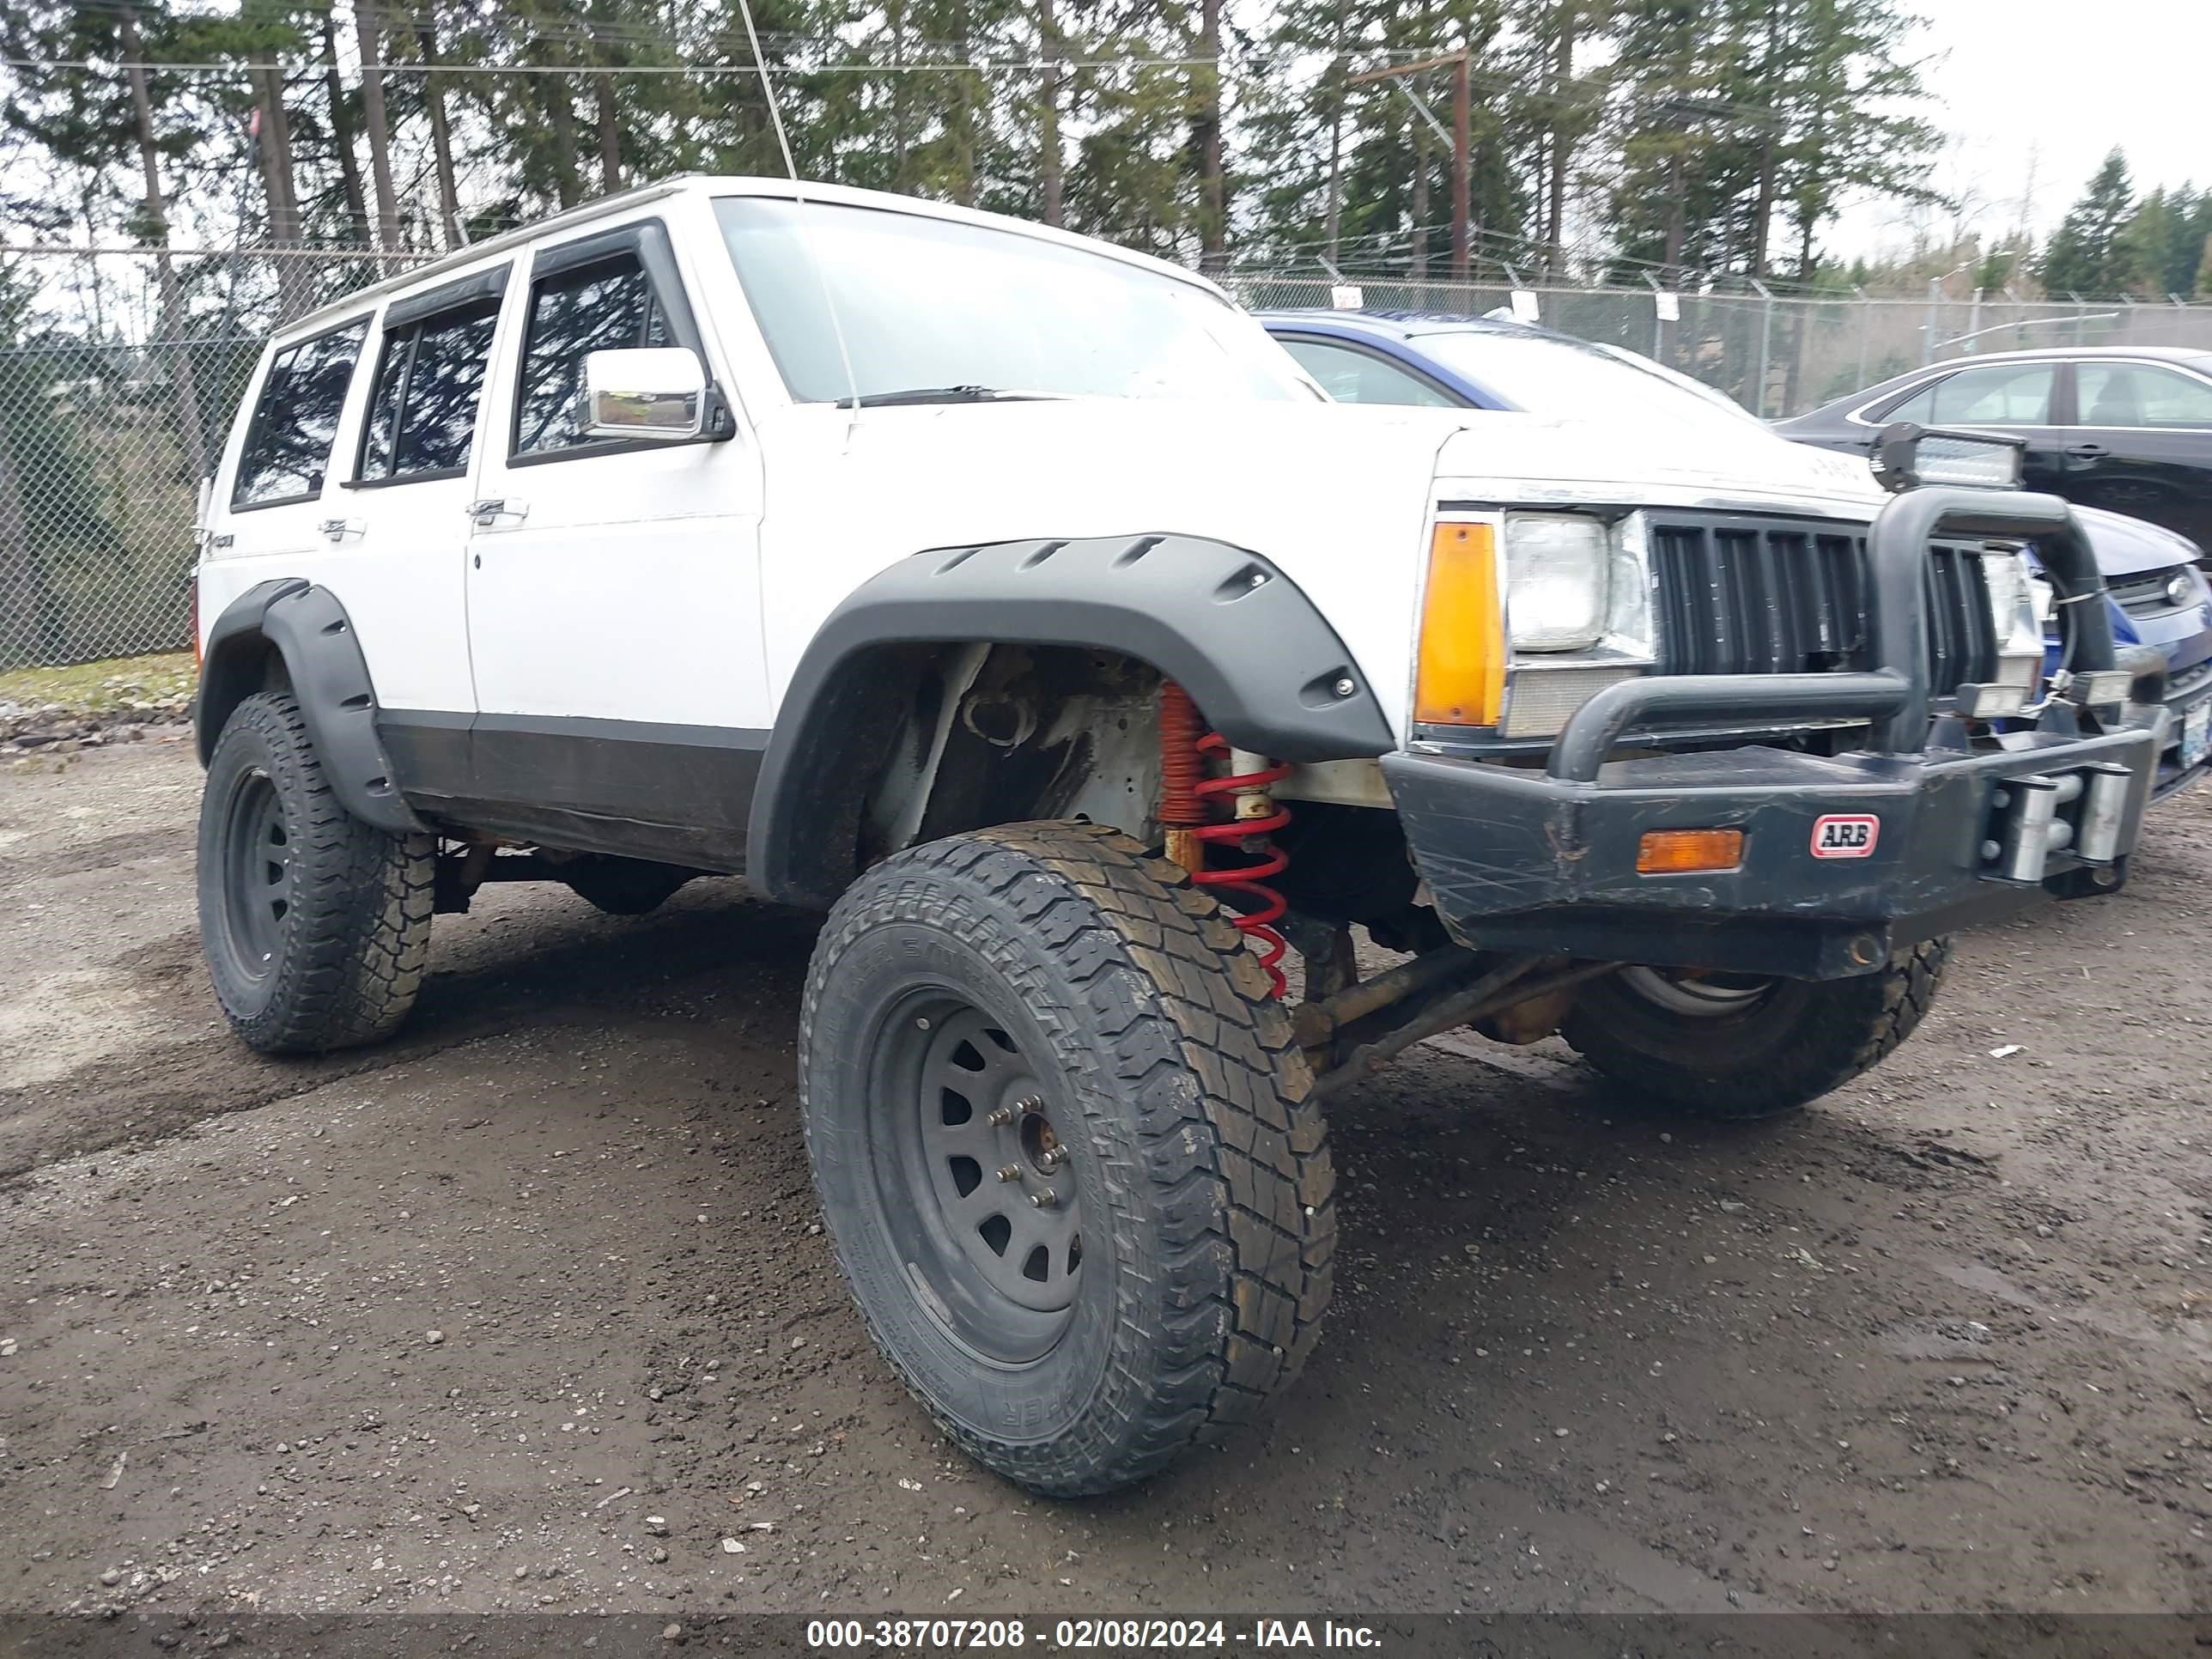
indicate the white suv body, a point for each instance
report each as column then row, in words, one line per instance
column 679, row 584
column 998, row 588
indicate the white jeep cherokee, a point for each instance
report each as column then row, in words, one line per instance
column 1014, row 600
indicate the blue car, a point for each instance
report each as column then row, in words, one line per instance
column 2156, row 579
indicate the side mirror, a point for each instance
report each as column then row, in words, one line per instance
column 656, row 393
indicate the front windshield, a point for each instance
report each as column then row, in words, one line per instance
column 926, row 302
column 1546, row 375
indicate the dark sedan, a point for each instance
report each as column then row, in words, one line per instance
column 2124, row 427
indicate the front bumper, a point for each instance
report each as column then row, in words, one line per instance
column 1547, row 861
column 1518, row 860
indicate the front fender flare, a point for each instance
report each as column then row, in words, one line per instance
column 1264, row 667
column 309, row 629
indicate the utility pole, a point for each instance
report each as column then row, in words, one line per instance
column 1461, row 63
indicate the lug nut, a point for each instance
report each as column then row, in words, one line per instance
column 1053, row 1158
column 1345, row 687
column 1010, row 1172
column 1045, row 1200
column 1031, row 1103
column 1001, row 1116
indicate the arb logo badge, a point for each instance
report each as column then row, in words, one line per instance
column 1845, row 835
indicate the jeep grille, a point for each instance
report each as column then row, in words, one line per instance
column 1742, row 595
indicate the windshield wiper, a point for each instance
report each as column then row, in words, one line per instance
column 936, row 394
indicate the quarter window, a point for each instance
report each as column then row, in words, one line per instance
column 2004, row 394
column 287, row 442
column 1352, row 376
column 423, row 415
column 2135, row 394
column 606, row 305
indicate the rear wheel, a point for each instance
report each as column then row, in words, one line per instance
column 1062, row 1140
column 315, row 926
column 1733, row 1046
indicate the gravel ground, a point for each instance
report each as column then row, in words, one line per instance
column 530, row 1310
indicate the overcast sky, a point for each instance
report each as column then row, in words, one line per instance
column 2051, row 85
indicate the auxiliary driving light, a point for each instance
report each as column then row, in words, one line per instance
column 1907, row 455
column 1991, row 702
column 2100, row 685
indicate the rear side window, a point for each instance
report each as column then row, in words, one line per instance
column 288, row 442
column 2135, row 394
column 606, row 305
column 422, row 413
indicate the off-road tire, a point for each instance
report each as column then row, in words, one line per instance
column 1805, row 1040
column 1199, row 1161
column 623, row 887
column 346, row 957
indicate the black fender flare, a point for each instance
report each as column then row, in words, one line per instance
column 1264, row 667
column 309, row 629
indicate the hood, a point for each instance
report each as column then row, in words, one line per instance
column 1717, row 463
column 2127, row 547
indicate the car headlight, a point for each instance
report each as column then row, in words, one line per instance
column 2011, row 582
column 1558, row 580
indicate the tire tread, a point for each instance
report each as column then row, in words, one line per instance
column 1204, row 1055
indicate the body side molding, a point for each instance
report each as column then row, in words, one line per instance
column 1270, row 674
column 309, row 629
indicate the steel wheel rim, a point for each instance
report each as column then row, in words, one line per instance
column 1709, row 996
column 974, row 1180
column 257, row 873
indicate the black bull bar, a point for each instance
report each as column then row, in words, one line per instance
column 1548, row 861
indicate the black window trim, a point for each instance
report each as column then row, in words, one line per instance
column 648, row 240
column 1361, row 349
column 253, row 421
column 485, row 289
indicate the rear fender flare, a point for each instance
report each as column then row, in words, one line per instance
column 1265, row 668
column 308, row 628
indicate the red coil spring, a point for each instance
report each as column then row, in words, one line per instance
column 1248, row 880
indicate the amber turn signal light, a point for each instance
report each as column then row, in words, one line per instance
column 1685, row 852
column 1462, row 676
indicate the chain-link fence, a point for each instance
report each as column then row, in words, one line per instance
column 118, row 381
column 118, row 375
column 1776, row 355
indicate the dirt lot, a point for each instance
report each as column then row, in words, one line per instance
column 443, row 1325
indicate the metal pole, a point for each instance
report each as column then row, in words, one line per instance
column 1974, row 319
column 1462, row 163
column 1658, row 323
column 1927, row 334
column 1866, row 316
column 1766, row 343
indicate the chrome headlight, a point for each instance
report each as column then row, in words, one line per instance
column 1558, row 580
column 1578, row 612
column 2011, row 582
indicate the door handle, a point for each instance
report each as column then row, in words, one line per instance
column 491, row 512
column 338, row 529
column 2087, row 449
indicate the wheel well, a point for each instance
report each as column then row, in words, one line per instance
column 240, row 666
column 924, row 741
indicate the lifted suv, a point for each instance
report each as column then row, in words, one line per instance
column 1013, row 599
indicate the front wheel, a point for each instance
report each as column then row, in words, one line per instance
column 1728, row 1046
column 1063, row 1142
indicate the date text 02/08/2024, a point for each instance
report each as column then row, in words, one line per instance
column 1083, row 1635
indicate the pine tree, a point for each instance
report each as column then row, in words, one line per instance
column 2084, row 256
